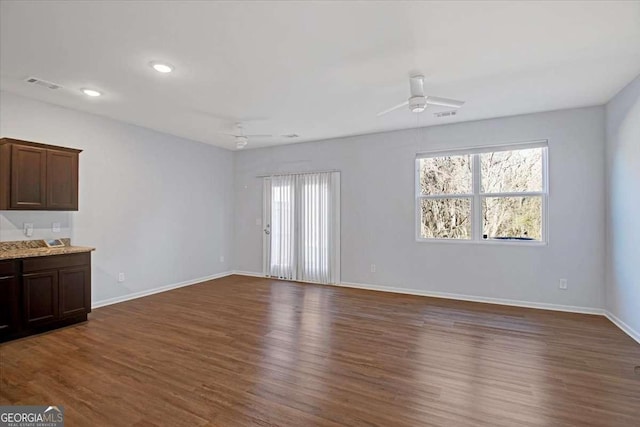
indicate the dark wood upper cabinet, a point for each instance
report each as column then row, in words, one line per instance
column 36, row 176
column 28, row 177
column 62, row 180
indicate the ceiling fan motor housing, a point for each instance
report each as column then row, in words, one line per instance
column 417, row 104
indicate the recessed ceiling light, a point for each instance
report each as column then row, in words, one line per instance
column 91, row 92
column 161, row 68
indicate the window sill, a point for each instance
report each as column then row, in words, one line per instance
column 485, row 242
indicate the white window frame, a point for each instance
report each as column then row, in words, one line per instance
column 476, row 196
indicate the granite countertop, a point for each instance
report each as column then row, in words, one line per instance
column 37, row 248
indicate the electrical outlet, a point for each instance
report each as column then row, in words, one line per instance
column 55, row 227
column 120, row 277
column 562, row 284
column 373, row 268
column 28, row 229
column 221, row 258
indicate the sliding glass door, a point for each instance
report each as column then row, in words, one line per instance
column 302, row 227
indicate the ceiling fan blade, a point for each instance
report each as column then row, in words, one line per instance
column 444, row 102
column 259, row 136
column 382, row 113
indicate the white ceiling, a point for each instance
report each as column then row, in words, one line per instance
column 317, row 69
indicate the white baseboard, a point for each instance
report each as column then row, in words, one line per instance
column 625, row 328
column 135, row 295
column 461, row 297
column 472, row 298
column 517, row 303
column 500, row 301
column 248, row 273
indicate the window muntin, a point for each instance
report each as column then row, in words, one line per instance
column 493, row 194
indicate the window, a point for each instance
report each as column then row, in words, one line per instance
column 493, row 194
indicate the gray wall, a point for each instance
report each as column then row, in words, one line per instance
column 378, row 210
column 157, row 207
column 163, row 209
column 623, row 206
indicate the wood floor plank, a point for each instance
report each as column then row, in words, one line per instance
column 242, row 351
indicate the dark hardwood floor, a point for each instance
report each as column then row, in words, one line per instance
column 243, row 351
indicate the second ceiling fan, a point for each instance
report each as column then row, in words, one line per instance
column 418, row 101
column 242, row 140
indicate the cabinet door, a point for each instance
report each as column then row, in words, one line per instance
column 8, row 305
column 40, row 297
column 62, row 180
column 75, row 294
column 28, row 177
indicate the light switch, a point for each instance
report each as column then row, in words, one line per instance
column 28, row 229
column 55, row 227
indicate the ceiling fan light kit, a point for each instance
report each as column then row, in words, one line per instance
column 417, row 104
column 241, row 142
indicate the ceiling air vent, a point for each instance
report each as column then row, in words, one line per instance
column 43, row 83
column 445, row 114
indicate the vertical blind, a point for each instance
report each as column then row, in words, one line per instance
column 303, row 227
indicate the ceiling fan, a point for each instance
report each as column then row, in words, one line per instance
column 241, row 139
column 419, row 101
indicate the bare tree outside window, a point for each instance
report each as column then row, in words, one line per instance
column 446, row 218
column 446, row 175
column 512, row 217
column 507, row 192
column 514, row 171
column 511, row 171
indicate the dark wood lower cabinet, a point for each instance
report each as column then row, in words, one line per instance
column 74, row 296
column 9, row 317
column 41, row 305
column 38, row 294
